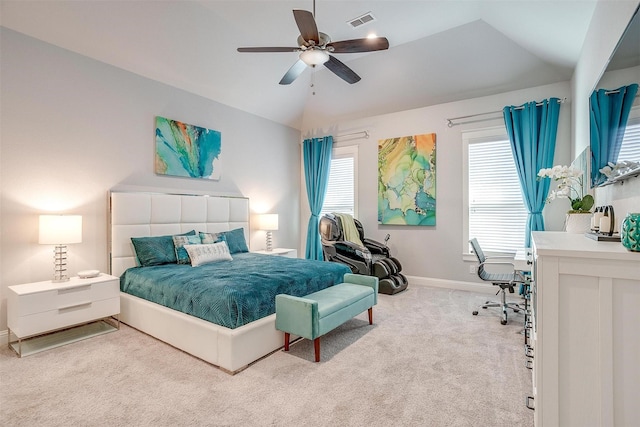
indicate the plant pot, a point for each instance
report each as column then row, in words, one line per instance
column 578, row 222
column 630, row 232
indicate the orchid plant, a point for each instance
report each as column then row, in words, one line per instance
column 570, row 186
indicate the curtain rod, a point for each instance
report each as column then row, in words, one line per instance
column 353, row 135
column 611, row 92
column 451, row 124
column 635, row 98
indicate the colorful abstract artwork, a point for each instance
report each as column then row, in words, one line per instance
column 187, row 150
column 407, row 180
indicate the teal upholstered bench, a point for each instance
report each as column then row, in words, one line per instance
column 320, row 312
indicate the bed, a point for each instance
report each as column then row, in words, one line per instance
column 249, row 334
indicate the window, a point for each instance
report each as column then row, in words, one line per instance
column 630, row 149
column 342, row 189
column 494, row 211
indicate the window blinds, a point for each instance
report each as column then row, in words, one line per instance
column 497, row 215
column 630, row 149
column 340, row 190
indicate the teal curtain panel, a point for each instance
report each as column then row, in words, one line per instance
column 532, row 130
column 317, row 164
column 609, row 112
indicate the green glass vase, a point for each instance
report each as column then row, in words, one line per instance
column 630, row 232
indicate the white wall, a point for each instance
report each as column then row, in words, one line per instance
column 436, row 252
column 73, row 128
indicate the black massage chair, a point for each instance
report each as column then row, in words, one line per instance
column 372, row 260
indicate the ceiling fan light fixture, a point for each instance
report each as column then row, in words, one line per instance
column 314, row 57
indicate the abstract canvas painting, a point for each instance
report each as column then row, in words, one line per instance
column 187, row 150
column 407, row 180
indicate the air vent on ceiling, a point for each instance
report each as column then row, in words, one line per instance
column 361, row 20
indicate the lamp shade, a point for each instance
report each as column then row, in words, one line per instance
column 60, row 229
column 268, row 222
column 314, row 57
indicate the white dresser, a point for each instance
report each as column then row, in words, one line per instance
column 586, row 337
column 37, row 308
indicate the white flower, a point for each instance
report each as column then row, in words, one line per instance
column 569, row 186
column 560, row 172
column 606, row 171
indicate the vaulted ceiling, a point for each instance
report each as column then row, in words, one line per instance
column 440, row 50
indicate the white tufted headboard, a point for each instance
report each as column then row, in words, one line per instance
column 143, row 214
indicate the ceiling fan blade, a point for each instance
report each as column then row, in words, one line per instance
column 307, row 25
column 268, row 49
column 359, row 45
column 293, row 73
column 341, row 70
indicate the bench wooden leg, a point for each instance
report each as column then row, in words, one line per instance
column 316, row 347
column 286, row 341
column 371, row 315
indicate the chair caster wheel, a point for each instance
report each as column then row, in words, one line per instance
column 503, row 322
column 484, row 308
column 475, row 313
column 515, row 310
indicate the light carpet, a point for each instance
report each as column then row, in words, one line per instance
column 426, row 361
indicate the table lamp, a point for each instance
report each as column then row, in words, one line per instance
column 269, row 223
column 60, row 230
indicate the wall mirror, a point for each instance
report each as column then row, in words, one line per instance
column 623, row 69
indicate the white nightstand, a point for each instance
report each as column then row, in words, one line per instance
column 36, row 309
column 285, row 252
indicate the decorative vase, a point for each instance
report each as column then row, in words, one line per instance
column 630, row 232
column 578, row 222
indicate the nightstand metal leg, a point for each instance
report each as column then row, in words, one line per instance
column 113, row 321
column 15, row 346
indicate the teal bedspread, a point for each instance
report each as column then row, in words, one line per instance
column 231, row 293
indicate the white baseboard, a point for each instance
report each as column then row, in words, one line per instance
column 4, row 337
column 482, row 288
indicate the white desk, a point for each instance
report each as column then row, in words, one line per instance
column 523, row 261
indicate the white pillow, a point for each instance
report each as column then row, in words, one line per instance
column 206, row 253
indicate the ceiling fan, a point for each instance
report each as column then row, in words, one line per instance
column 315, row 49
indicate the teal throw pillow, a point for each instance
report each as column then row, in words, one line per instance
column 156, row 250
column 181, row 253
column 209, row 238
column 235, row 240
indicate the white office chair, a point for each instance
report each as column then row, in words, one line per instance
column 503, row 280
